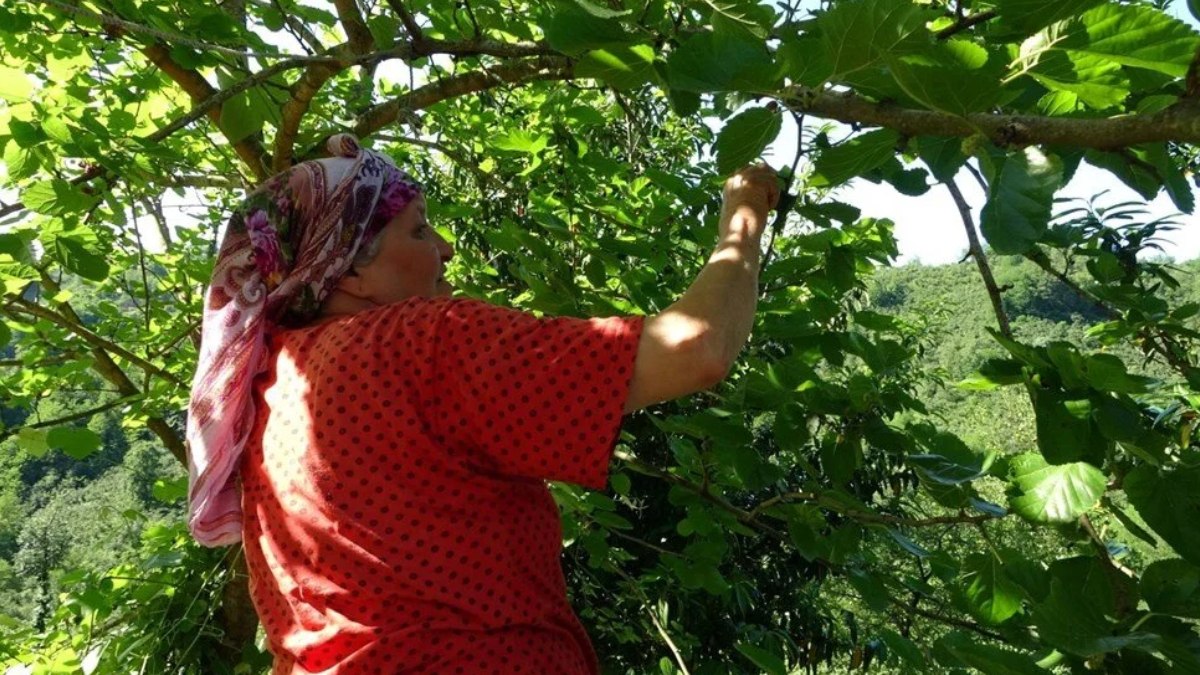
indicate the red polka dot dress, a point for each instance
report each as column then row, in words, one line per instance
column 397, row 518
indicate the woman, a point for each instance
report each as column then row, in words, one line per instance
column 381, row 448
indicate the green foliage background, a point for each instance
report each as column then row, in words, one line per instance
column 987, row 466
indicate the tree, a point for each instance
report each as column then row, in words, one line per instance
column 808, row 512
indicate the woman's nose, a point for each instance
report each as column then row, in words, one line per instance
column 444, row 248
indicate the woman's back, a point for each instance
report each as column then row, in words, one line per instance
column 396, row 515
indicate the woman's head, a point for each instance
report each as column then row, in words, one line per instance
column 407, row 259
column 289, row 246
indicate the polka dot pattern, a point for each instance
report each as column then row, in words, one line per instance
column 396, row 513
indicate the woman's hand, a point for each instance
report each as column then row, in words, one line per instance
column 748, row 196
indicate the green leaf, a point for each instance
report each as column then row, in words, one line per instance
column 1172, row 587
column 962, row 650
column 902, row 647
column 20, row 162
column 953, row 77
column 1028, row 16
column 521, row 140
column 33, row 442
column 1065, row 430
column 769, row 662
column 855, row 157
column 710, row 62
column 1177, row 185
column 170, row 491
column 623, row 67
column 600, row 11
column 871, row 589
column 858, row 34
column 1107, row 373
column 56, row 128
column 1075, row 616
column 5, row 335
column 1096, row 81
column 744, row 137
column 56, row 197
column 748, row 16
column 77, row 442
column 1020, row 196
column 240, row 119
column 1169, row 502
column 15, row 86
column 1133, row 35
column 943, row 156
column 78, row 259
column 573, row 31
column 804, row 61
column 1054, row 494
column 991, row 596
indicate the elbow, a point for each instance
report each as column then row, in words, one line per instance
column 714, row 365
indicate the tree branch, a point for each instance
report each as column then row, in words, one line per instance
column 361, row 40
column 965, row 23
column 415, row 34
column 70, row 321
column 985, row 270
column 83, row 414
column 521, row 72
column 1180, row 122
column 250, row 150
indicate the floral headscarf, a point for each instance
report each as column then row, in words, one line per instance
column 285, row 248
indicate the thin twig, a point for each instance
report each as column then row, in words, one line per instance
column 985, row 270
column 662, row 632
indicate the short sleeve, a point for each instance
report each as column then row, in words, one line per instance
column 531, row 397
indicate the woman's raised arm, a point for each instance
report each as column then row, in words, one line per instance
column 691, row 345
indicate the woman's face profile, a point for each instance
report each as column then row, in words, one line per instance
column 411, row 261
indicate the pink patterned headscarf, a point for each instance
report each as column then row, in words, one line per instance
column 285, row 248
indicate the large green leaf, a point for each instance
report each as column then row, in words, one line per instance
column 1020, row 196
column 1133, row 35
column 78, row 258
column 1028, row 16
column 1169, row 502
column 855, row 157
column 56, row 197
column 991, row 596
column 77, row 442
column 770, row 662
column 962, row 650
column 1065, row 430
column 623, row 67
column 955, row 76
column 1054, row 494
column 572, row 31
column 862, row 33
column 744, row 138
column 241, row 118
column 1172, row 587
column 1079, row 614
column 714, row 61
column 1098, row 82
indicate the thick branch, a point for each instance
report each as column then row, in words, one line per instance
column 1180, row 122
column 542, row 68
column 410, row 23
column 361, row 40
column 965, row 23
column 985, row 270
column 250, row 150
